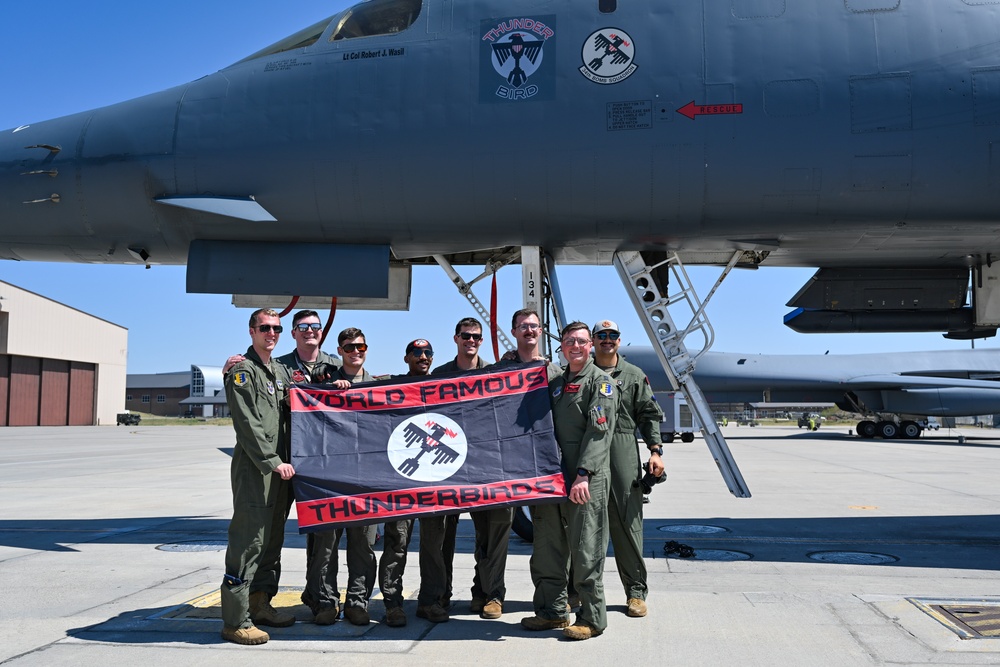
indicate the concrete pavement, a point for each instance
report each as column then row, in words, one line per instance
column 112, row 537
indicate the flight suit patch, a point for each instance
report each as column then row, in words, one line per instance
column 572, row 389
column 280, row 385
column 598, row 418
column 298, row 376
column 241, row 378
column 270, row 387
column 557, row 392
column 604, row 389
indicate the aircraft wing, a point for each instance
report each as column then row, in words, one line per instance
column 904, row 382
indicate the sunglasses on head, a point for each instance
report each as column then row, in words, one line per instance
column 268, row 328
column 351, row 347
column 470, row 336
column 607, row 335
column 315, row 326
column 422, row 352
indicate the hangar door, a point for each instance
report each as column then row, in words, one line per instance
column 46, row 392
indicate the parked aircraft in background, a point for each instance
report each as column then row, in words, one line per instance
column 895, row 392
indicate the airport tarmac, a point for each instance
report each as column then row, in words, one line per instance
column 112, row 538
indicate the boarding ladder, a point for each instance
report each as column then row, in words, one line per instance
column 648, row 278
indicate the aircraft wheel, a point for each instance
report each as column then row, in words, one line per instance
column 887, row 430
column 910, row 430
column 687, row 437
column 866, row 429
column 668, row 437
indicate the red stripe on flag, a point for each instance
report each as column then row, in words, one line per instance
column 470, row 387
column 394, row 505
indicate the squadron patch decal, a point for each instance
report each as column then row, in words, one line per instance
column 428, row 447
column 240, row 378
column 517, row 59
column 604, row 389
column 608, row 56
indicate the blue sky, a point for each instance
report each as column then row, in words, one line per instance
column 65, row 56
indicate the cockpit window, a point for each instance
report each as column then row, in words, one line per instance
column 365, row 19
column 300, row 39
column 376, row 17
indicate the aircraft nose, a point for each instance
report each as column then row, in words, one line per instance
column 36, row 184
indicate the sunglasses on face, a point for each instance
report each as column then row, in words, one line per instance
column 351, row 347
column 471, row 336
column 268, row 328
column 424, row 352
column 607, row 335
column 315, row 326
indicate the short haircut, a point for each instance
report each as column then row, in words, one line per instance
column 350, row 333
column 574, row 326
column 524, row 312
column 266, row 312
column 303, row 314
column 470, row 322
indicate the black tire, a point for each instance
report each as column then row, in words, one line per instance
column 522, row 525
column 909, row 430
column 668, row 437
column 687, row 437
column 866, row 429
column 887, row 430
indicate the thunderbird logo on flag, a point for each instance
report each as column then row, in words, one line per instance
column 419, row 446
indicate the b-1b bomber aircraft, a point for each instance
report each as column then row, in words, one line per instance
column 855, row 136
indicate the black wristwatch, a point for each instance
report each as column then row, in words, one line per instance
column 656, row 450
column 583, row 472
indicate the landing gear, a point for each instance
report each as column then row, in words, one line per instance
column 866, row 429
column 909, row 430
column 887, row 430
column 687, row 437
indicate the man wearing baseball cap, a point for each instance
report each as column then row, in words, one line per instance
column 637, row 409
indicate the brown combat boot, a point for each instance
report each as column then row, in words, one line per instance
column 327, row 615
column 540, row 623
column 636, row 608
column 262, row 613
column 433, row 613
column 395, row 617
column 247, row 636
column 492, row 609
column 579, row 631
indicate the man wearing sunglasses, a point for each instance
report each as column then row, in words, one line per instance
column 322, row 593
column 584, row 408
column 637, row 409
column 468, row 339
column 261, row 493
column 435, row 556
column 396, row 539
column 307, row 363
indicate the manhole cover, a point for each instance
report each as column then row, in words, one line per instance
column 852, row 557
column 206, row 545
column 969, row 619
column 720, row 555
column 693, row 529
